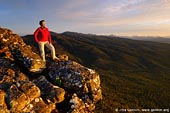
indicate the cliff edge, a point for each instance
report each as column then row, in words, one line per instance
column 29, row 85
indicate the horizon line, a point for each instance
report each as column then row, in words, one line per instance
column 105, row 34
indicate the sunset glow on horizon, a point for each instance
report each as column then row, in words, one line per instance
column 117, row 17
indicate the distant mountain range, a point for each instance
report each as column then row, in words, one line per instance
column 154, row 39
column 134, row 73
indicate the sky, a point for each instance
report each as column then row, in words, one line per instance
column 117, row 17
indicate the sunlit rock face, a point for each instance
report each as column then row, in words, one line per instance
column 27, row 84
column 21, row 52
column 82, row 81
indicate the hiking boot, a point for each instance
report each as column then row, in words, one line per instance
column 56, row 59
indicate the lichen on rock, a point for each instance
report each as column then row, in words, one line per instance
column 76, row 78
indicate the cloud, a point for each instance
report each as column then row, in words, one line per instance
column 98, row 10
column 74, row 10
column 138, row 14
column 124, row 16
column 95, row 16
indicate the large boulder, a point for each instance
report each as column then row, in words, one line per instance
column 16, row 99
column 50, row 92
column 30, row 60
column 76, row 78
column 15, row 87
column 21, row 52
column 30, row 90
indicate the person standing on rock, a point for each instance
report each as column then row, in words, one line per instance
column 43, row 38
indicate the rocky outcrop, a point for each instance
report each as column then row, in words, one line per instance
column 82, row 81
column 21, row 52
column 50, row 92
column 27, row 84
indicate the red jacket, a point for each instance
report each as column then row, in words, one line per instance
column 42, row 35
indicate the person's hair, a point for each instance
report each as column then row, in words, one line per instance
column 41, row 21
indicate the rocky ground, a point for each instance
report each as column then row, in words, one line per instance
column 29, row 85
